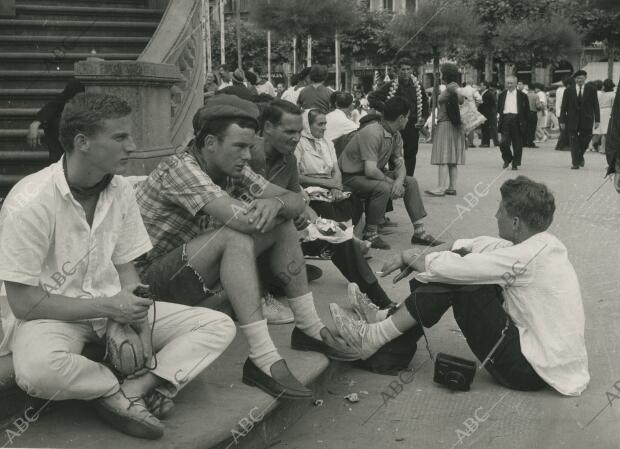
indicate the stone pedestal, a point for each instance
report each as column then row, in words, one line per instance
column 146, row 87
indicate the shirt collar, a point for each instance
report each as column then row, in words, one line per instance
column 58, row 175
column 386, row 129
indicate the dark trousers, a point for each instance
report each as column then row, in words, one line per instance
column 511, row 135
column 579, row 140
column 563, row 141
column 479, row 313
column 411, row 139
column 489, row 132
column 532, row 123
column 348, row 258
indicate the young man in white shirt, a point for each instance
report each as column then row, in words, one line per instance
column 68, row 237
column 521, row 286
column 338, row 121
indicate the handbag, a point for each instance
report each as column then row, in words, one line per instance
column 470, row 116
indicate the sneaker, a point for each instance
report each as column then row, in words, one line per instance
column 275, row 312
column 361, row 304
column 353, row 332
column 376, row 241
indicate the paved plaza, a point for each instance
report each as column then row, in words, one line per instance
column 416, row 413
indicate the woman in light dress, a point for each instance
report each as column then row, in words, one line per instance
column 449, row 142
column 605, row 102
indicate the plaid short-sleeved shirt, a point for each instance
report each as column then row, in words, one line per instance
column 172, row 199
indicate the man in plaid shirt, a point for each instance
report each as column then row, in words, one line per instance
column 209, row 215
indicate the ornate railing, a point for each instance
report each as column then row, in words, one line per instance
column 178, row 41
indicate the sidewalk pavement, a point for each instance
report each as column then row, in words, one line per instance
column 406, row 413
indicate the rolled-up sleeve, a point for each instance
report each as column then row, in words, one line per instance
column 505, row 266
column 133, row 239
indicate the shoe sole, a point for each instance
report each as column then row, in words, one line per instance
column 337, row 358
column 281, row 395
column 283, row 321
column 127, row 425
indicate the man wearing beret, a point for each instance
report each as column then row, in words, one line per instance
column 579, row 114
column 209, row 216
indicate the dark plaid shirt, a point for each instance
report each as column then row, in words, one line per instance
column 172, row 199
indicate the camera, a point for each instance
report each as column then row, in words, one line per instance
column 454, row 372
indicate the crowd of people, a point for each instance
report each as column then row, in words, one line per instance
column 221, row 227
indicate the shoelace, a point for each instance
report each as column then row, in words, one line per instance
column 363, row 298
column 273, row 302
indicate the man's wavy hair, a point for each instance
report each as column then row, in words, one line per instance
column 531, row 201
column 85, row 114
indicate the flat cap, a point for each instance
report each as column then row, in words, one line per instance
column 224, row 106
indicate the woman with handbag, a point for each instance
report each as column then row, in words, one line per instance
column 449, row 141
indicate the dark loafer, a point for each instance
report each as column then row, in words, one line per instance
column 313, row 272
column 304, row 342
column 281, row 384
column 427, row 240
column 450, row 192
column 506, row 164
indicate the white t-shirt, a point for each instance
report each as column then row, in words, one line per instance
column 338, row 124
column 541, row 295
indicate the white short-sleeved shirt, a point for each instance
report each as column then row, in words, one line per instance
column 44, row 237
column 541, row 295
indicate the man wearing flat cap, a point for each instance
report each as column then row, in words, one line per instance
column 209, row 216
column 578, row 116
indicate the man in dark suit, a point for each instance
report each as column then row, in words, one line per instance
column 411, row 89
column 488, row 108
column 513, row 107
column 579, row 114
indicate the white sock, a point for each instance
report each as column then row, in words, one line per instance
column 262, row 350
column 306, row 318
column 382, row 332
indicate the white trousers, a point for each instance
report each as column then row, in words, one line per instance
column 48, row 364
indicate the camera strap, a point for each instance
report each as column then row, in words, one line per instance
column 428, row 348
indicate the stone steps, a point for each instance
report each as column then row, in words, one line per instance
column 210, row 412
column 38, row 50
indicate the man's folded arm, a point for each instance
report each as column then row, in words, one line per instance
column 32, row 302
column 502, row 267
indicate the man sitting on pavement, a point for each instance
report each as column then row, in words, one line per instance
column 68, row 236
column 363, row 163
column 515, row 298
column 209, row 216
column 274, row 158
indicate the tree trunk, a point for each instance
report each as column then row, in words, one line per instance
column 337, row 50
column 237, row 5
column 309, row 52
column 611, row 58
column 295, row 54
column 348, row 77
column 222, row 34
column 488, row 67
column 269, row 55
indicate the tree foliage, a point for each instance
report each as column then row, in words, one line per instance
column 543, row 40
column 302, row 17
column 253, row 45
column 369, row 39
column 598, row 21
column 436, row 29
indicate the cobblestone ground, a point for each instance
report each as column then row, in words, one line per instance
column 423, row 415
